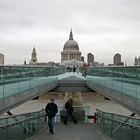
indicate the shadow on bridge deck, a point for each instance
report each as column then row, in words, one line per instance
column 83, row 131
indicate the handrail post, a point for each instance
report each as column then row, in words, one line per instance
column 25, row 128
column 119, row 126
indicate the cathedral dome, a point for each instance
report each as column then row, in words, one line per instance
column 71, row 44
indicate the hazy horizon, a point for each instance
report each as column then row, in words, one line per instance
column 101, row 27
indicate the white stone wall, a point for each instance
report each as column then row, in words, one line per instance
column 70, row 55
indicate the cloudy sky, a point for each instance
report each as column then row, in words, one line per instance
column 103, row 27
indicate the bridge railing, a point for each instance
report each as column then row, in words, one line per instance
column 16, row 79
column 118, row 78
column 119, row 83
column 26, row 125
column 21, row 126
column 118, row 127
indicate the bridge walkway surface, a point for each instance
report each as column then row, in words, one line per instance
column 81, row 131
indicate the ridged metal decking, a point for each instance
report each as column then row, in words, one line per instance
column 82, row 131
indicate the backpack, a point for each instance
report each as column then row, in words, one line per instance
column 66, row 105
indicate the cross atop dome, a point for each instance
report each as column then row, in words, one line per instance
column 34, row 51
column 71, row 35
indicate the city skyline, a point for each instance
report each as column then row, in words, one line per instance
column 103, row 28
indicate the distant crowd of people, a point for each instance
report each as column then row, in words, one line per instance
column 73, row 69
column 77, row 69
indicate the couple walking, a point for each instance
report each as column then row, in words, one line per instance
column 51, row 110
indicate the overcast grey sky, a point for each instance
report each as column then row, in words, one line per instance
column 103, row 27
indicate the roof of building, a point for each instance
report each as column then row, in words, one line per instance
column 71, row 44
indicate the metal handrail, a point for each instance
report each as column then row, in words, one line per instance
column 16, row 122
column 40, row 114
column 29, row 113
column 123, row 123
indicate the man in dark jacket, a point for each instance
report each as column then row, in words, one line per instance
column 51, row 110
column 69, row 108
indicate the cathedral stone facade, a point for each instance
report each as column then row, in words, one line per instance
column 71, row 54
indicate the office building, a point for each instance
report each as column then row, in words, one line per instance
column 90, row 58
column 117, row 60
column 137, row 61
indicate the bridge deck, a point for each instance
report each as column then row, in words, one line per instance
column 83, row 131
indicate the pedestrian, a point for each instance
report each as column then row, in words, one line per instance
column 84, row 69
column 74, row 69
column 51, row 110
column 77, row 69
column 69, row 108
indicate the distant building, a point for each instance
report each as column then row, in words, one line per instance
column 34, row 61
column 25, row 62
column 90, row 58
column 137, row 61
column 97, row 64
column 71, row 56
column 111, row 65
column 33, row 57
column 117, row 60
column 1, row 59
column 48, row 64
column 82, row 58
column 121, row 64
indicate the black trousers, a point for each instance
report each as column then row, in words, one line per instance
column 69, row 114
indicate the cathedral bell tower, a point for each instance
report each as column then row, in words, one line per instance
column 33, row 57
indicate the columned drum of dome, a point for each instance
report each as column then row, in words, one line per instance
column 70, row 51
